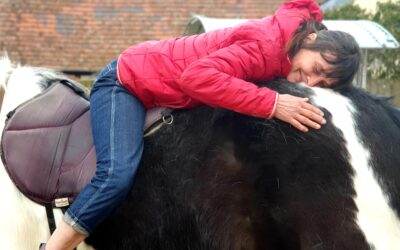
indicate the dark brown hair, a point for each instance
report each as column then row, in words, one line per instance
column 338, row 48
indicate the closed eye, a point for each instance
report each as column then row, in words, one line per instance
column 317, row 70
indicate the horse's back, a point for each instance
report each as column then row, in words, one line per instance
column 220, row 180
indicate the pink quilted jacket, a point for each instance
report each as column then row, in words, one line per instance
column 217, row 68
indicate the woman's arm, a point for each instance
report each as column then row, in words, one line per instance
column 218, row 80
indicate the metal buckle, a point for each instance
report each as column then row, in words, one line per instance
column 168, row 119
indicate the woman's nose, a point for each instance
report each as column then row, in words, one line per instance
column 313, row 80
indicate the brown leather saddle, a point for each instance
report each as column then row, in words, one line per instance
column 47, row 145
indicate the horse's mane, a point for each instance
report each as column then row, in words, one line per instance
column 43, row 77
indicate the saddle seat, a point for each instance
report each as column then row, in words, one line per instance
column 47, row 146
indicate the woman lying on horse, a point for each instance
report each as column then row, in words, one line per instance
column 217, row 68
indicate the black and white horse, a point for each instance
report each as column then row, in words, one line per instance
column 215, row 179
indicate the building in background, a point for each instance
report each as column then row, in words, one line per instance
column 80, row 37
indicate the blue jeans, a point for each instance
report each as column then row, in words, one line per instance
column 117, row 120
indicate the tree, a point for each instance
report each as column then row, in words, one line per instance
column 347, row 12
column 384, row 64
column 388, row 64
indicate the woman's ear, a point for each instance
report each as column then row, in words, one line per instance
column 311, row 37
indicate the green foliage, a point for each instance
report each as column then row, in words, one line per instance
column 87, row 83
column 383, row 64
column 387, row 61
column 347, row 12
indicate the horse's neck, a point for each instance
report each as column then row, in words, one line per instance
column 19, row 216
column 21, row 86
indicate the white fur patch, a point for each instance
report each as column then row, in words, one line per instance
column 5, row 70
column 23, row 223
column 375, row 217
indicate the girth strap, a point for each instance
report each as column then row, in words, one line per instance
column 50, row 218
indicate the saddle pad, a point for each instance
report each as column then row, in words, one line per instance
column 47, row 145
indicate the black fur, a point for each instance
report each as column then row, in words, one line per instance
column 379, row 127
column 216, row 179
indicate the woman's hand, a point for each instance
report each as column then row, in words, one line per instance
column 298, row 112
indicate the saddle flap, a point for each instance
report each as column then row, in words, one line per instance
column 47, row 145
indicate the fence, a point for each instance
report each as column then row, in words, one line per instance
column 385, row 88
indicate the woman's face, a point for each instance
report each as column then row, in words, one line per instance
column 309, row 67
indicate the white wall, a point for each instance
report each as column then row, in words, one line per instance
column 369, row 5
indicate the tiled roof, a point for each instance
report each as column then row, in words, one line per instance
column 84, row 35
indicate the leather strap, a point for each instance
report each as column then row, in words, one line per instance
column 50, row 218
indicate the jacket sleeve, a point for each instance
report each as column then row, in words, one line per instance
column 220, row 80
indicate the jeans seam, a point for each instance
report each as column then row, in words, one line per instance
column 111, row 169
column 107, row 69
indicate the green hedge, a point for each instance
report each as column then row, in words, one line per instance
column 87, row 82
column 386, row 62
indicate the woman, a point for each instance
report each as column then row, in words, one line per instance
column 216, row 69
